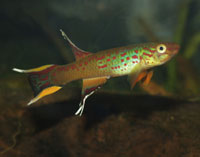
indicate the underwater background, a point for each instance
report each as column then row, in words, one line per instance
column 161, row 119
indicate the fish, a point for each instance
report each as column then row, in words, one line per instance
column 95, row 69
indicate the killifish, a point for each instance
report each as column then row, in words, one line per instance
column 96, row 68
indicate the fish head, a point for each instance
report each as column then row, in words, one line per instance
column 154, row 54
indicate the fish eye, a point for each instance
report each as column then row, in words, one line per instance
column 161, row 48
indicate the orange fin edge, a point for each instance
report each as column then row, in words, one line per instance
column 45, row 92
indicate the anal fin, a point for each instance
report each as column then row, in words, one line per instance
column 89, row 87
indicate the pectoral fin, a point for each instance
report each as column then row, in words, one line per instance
column 145, row 76
column 148, row 78
column 89, row 87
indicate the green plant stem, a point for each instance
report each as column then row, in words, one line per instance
column 192, row 46
column 178, row 37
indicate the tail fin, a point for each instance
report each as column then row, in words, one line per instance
column 40, row 81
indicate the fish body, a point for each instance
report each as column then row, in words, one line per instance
column 110, row 63
column 95, row 68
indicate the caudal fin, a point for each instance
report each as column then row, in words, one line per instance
column 40, row 81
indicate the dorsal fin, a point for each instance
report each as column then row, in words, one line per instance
column 79, row 53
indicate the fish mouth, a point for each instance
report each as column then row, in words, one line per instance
column 174, row 49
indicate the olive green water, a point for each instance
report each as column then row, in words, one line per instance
column 161, row 119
